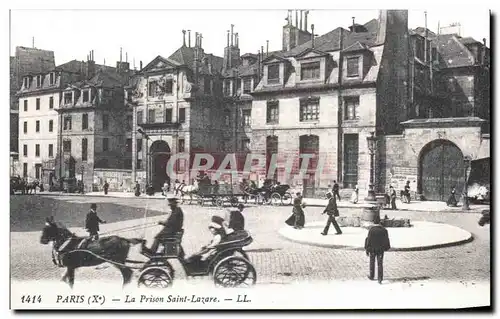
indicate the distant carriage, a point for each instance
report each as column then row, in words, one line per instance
column 269, row 193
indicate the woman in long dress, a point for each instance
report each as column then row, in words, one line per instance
column 297, row 219
column 355, row 195
column 452, row 201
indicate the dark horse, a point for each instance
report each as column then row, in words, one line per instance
column 485, row 218
column 111, row 249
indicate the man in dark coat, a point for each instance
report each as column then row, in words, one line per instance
column 92, row 222
column 106, row 187
column 172, row 226
column 407, row 192
column 376, row 243
column 332, row 211
column 137, row 189
column 336, row 189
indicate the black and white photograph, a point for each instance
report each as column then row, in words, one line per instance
column 250, row 159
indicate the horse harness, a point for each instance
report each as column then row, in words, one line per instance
column 73, row 243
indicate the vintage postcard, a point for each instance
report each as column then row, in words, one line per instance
column 250, row 159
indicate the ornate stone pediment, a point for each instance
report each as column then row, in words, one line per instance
column 160, row 63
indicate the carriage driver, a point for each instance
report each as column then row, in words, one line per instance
column 172, row 226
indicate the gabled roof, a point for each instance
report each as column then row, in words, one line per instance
column 161, row 62
column 358, row 46
column 274, row 57
column 316, row 52
column 468, row 40
column 185, row 56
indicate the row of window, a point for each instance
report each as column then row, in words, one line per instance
column 309, row 110
column 37, row 150
column 39, row 80
column 37, row 126
column 247, row 86
column 152, row 117
column 37, row 104
column 67, row 122
column 311, row 70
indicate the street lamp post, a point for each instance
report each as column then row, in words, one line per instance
column 465, row 205
column 372, row 144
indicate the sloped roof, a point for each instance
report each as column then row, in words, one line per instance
column 76, row 66
column 358, row 46
column 185, row 56
column 468, row 40
column 452, row 53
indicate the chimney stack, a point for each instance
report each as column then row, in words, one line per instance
column 140, row 65
column 353, row 29
column 290, row 17
column 196, row 39
column 305, row 20
column 228, row 38
column 262, row 50
column 189, row 39
column 312, row 35
column 104, row 61
column 484, row 51
column 267, row 48
column 232, row 27
column 120, row 55
column 126, row 56
column 92, row 55
column 183, row 38
column 301, row 13
column 201, row 39
column 236, row 39
column 296, row 18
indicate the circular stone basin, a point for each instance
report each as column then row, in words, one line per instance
column 421, row 236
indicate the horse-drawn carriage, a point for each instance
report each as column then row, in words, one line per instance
column 229, row 265
column 269, row 193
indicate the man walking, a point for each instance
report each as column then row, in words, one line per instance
column 92, row 222
column 106, row 187
column 407, row 192
column 332, row 211
column 376, row 243
column 336, row 193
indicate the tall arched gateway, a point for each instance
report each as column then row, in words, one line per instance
column 441, row 167
column 160, row 154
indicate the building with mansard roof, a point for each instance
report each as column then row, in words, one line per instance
column 325, row 95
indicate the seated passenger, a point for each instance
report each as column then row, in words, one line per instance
column 234, row 219
column 219, row 233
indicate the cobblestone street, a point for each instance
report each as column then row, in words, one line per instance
column 276, row 259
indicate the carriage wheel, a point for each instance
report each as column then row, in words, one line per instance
column 220, row 201
column 155, row 277
column 234, row 201
column 234, row 271
column 286, row 199
column 200, row 201
column 275, row 199
column 268, row 200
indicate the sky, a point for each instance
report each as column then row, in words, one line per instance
column 145, row 34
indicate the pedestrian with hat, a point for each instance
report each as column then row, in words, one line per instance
column 332, row 211
column 171, row 226
column 92, row 222
column 297, row 219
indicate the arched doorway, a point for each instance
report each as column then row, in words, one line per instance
column 309, row 144
column 160, row 154
column 441, row 167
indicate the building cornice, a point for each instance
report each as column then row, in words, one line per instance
column 315, row 88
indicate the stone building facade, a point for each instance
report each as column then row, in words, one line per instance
column 94, row 124
column 26, row 61
column 177, row 104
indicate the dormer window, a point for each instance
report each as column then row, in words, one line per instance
column 273, row 74
column 247, row 85
column 68, row 98
column 38, row 81
column 353, row 67
column 86, row 96
column 51, row 78
column 26, row 82
column 310, row 71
